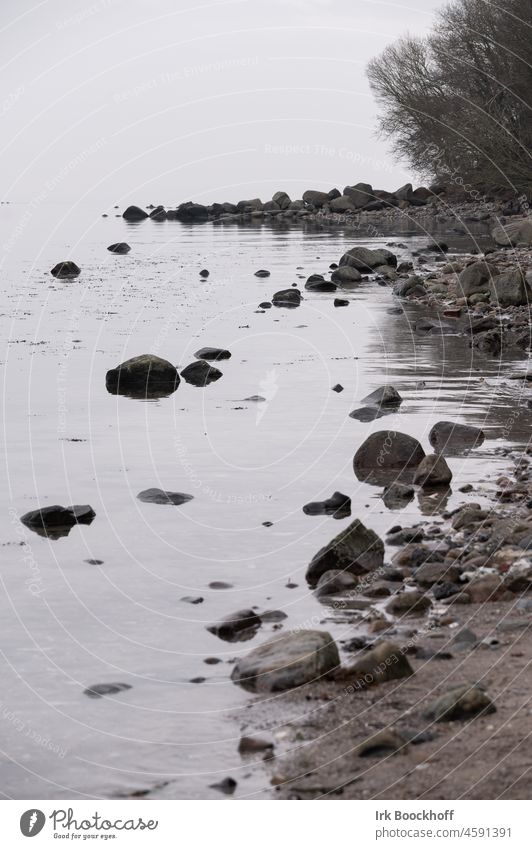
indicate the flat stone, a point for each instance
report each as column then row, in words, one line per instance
column 161, row 496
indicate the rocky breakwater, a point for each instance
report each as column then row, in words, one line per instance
column 332, row 205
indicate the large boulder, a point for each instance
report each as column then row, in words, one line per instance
column 236, row 627
column 433, row 471
column 509, row 289
column 404, row 193
column 387, row 455
column 514, row 233
column 56, row 521
column 289, row 661
column 356, row 549
column 287, row 298
column 146, row 375
column 251, row 205
column 384, row 396
column 318, row 283
column 476, row 277
column 282, row 200
column 315, row 198
column 134, row 213
column 342, row 204
column 200, row 373
column 451, row 438
column 191, row 212
column 360, row 195
column 65, row 270
column 365, row 259
column 345, row 275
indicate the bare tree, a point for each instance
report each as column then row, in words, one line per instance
column 458, row 104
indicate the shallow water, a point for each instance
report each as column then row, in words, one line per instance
column 67, row 624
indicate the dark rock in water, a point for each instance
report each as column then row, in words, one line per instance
column 316, row 198
column 365, row 259
column 384, row 396
column 265, row 305
column 158, row 214
column 386, row 456
column 369, row 414
column 204, row 273
column 146, row 376
column 92, row 561
column 191, row 212
column 212, row 354
column 99, row 690
column 356, row 549
column 397, row 495
column 236, row 627
column 191, row 599
column 227, row 786
column 134, row 213
column 262, row 272
column 433, row 471
column 119, row 248
column 56, row 521
column 65, row 270
column 334, row 581
column 345, row 275
column 450, row 438
column 341, row 302
column 200, row 373
column 338, row 505
column 318, row 283
column 385, row 662
column 408, row 604
column 161, row 496
column 337, row 387
column 463, row 702
column 438, row 247
column 220, row 585
column 288, row 661
column 273, row 616
column 287, row 298
column 282, row 200
column 257, row 398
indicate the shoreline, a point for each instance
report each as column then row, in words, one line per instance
column 344, row 736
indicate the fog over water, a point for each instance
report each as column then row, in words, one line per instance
column 161, row 101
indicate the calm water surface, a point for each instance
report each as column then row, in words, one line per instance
column 67, row 624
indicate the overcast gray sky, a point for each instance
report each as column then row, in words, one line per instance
column 168, row 100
